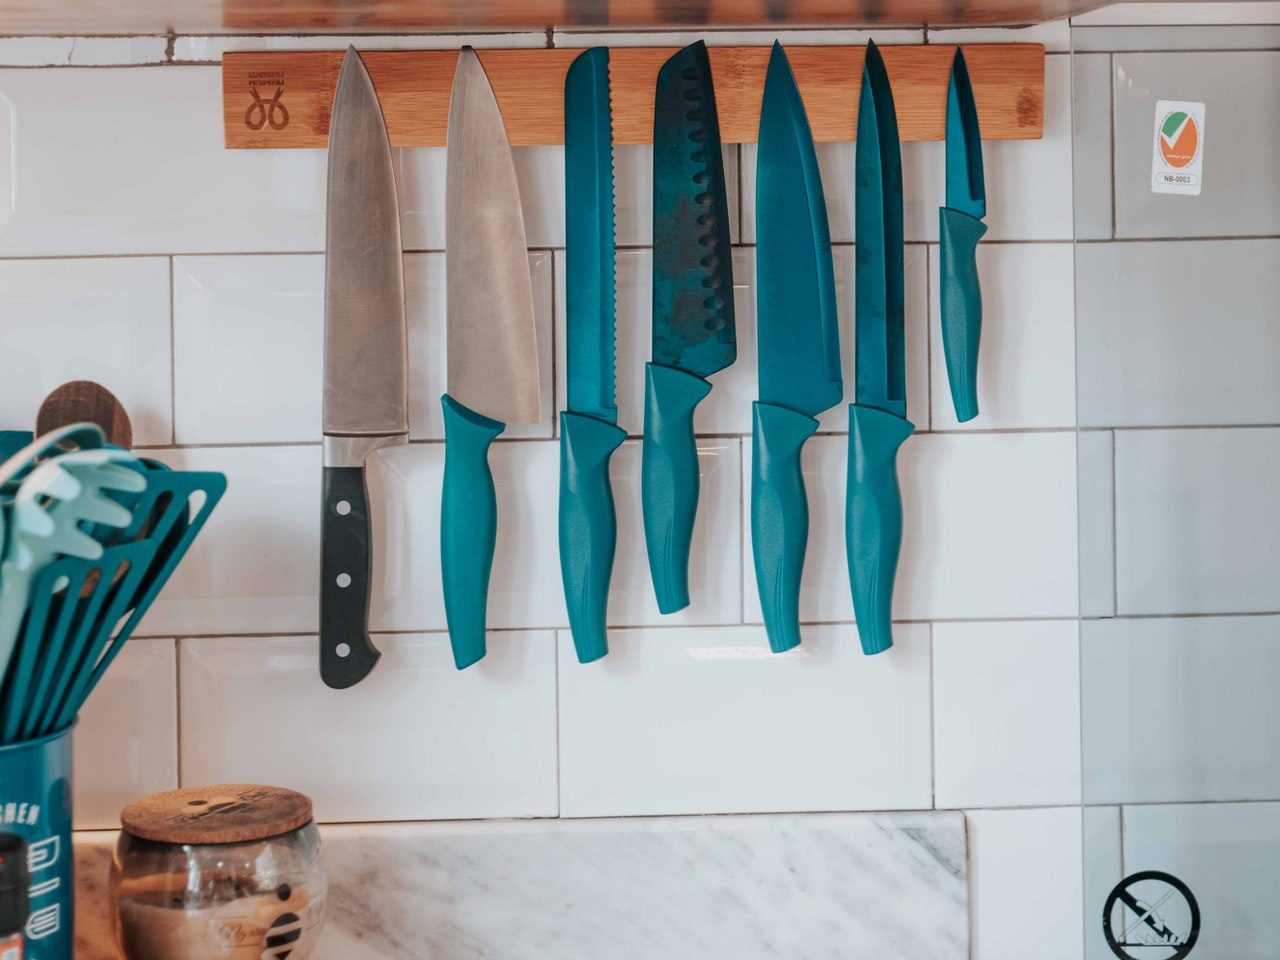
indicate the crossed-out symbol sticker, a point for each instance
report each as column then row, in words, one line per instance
column 262, row 112
column 1151, row 915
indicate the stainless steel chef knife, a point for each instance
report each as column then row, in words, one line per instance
column 960, row 227
column 877, row 420
column 365, row 363
column 799, row 345
column 492, row 343
column 694, row 334
column 589, row 431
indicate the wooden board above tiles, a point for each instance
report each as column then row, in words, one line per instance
column 275, row 99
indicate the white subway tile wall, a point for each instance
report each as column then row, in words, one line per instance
column 188, row 279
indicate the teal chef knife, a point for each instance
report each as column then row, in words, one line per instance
column 693, row 325
column 492, row 345
column 366, row 400
column 799, row 345
column 589, row 431
column 878, row 422
column 960, row 227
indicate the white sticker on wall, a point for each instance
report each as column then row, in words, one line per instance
column 1177, row 156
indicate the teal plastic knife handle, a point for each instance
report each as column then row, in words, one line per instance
column 468, row 527
column 779, row 517
column 961, row 306
column 873, row 519
column 669, row 478
column 588, row 527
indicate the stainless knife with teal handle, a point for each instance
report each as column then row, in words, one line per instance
column 694, row 334
column 799, row 345
column 960, row 227
column 492, row 345
column 589, row 431
column 878, row 423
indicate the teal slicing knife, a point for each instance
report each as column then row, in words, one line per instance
column 589, row 431
column 694, row 334
column 492, row 344
column 960, row 227
column 878, row 422
column 799, row 345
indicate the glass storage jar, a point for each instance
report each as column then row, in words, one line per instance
column 228, row 872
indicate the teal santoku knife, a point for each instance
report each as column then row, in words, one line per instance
column 960, row 227
column 693, row 326
column 589, row 431
column 492, row 345
column 878, row 422
column 799, row 345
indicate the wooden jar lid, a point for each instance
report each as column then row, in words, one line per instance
column 223, row 813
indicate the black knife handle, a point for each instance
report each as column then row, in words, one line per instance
column 346, row 654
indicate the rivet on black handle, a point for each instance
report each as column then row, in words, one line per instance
column 346, row 654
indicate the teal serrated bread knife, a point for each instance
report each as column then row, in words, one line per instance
column 589, row 431
column 878, row 422
column 799, row 345
column 694, row 334
column 960, row 227
column 492, row 345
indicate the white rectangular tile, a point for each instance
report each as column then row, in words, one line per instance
column 405, row 490
column 1091, row 135
column 1026, row 378
column 1025, row 883
column 1228, row 854
column 1103, row 869
column 525, row 589
column 539, row 175
column 1028, row 181
column 80, row 51
column 736, row 37
column 126, row 742
column 728, row 408
column 633, row 193
column 739, row 729
column 255, row 567
column 1150, row 14
column 989, row 528
column 211, row 49
column 1055, row 35
column 1161, row 344
column 1096, row 481
column 1196, row 520
column 417, row 739
column 715, row 576
column 1180, row 709
column 249, row 345
column 426, row 304
column 158, row 178
column 1006, row 713
column 103, row 320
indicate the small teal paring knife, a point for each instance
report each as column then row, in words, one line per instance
column 589, row 431
column 492, row 343
column 877, row 419
column 960, row 228
column 694, row 334
column 799, row 345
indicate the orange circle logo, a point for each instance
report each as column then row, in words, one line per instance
column 1179, row 139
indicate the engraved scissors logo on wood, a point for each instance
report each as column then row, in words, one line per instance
column 262, row 112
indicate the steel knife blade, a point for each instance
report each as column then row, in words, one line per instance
column 694, row 332
column 492, row 342
column 799, row 345
column 880, row 337
column 589, row 433
column 365, row 362
column 492, row 338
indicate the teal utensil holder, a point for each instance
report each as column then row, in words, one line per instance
column 35, row 804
